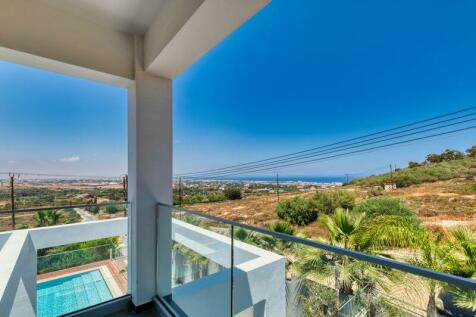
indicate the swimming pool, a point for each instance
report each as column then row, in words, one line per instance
column 70, row 293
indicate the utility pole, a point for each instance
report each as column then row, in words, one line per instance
column 391, row 173
column 125, row 185
column 277, row 185
column 125, row 181
column 12, row 198
column 180, row 191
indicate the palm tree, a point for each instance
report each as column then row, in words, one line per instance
column 462, row 261
column 53, row 217
column 350, row 230
column 47, row 218
column 433, row 255
column 41, row 219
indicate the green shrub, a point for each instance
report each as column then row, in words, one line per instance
column 298, row 211
column 282, row 227
column 385, row 206
column 375, row 191
column 232, row 193
column 213, row 198
column 93, row 209
column 327, row 202
column 470, row 188
column 471, row 151
column 112, row 209
column 429, row 172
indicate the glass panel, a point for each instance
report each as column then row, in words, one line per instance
column 291, row 279
column 201, row 265
column 272, row 276
column 5, row 221
column 53, row 217
column 64, row 294
column 109, row 212
column 76, row 276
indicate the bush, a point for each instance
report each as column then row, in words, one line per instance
column 385, row 206
column 213, row 198
column 327, row 202
column 424, row 173
column 93, row 209
column 471, row 151
column 448, row 155
column 112, row 209
column 375, row 191
column 232, row 193
column 470, row 188
column 282, row 227
column 413, row 164
column 298, row 211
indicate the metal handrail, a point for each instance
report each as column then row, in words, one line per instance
column 378, row 260
column 64, row 207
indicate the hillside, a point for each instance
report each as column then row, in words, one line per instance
column 441, row 194
column 424, row 173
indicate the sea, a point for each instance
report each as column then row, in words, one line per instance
column 286, row 179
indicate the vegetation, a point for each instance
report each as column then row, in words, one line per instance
column 471, row 152
column 58, row 258
column 423, row 173
column 385, row 206
column 297, row 211
column 232, row 193
column 47, row 218
column 470, row 188
column 327, row 202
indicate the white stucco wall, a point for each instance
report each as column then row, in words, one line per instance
column 259, row 277
column 18, row 275
column 48, row 237
column 18, row 258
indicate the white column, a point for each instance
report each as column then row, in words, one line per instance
column 150, row 181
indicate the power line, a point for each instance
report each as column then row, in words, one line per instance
column 332, row 150
column 336, row 143
column 347, row 153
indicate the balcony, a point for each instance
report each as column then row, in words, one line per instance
column 225, row 268
column 217, row 268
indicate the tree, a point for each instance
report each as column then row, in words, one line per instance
column 327, row 202
column 462, row 262
column 53, row 217
column 47, row 218
column 386, row 206
column 447, row 155
column 297, row 210
column 413, row 164
column 471, row 151
column 232, row 193
column 433, row 255
column 351, row 230
column 40, row 218
column 433, row 158
column 451, row 155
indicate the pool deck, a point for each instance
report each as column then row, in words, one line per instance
column 113, row 273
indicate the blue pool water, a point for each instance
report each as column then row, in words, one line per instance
column 70, row 293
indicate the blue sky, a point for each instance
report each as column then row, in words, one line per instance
column 299, row 74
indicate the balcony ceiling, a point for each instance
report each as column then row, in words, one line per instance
column 129, row 16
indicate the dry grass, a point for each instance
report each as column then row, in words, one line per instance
column 440, row 205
